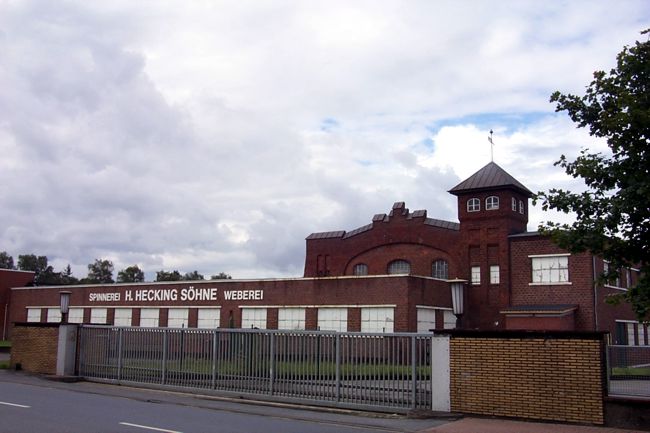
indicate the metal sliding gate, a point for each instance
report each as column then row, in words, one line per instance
column 377, row 371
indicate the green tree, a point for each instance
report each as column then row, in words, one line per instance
column 43, row 273
column 100, row 272
column 221, row 276
column 168, row 276
column 613, row 214
column 193, row 276
column 66, row 276
column 6, row 261
column 132, row 274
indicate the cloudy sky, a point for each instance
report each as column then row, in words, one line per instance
column 216, row 135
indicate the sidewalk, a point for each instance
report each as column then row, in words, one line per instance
column 488, row 425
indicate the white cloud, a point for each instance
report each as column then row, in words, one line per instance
column 216, row 135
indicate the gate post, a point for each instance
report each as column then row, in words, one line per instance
column 440, row 374
column 66, row 353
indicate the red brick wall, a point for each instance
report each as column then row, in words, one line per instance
column 399, row 236
column 8, row 279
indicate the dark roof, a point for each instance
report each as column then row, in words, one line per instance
column 540, row 309
column 326, row 235
column 490, row 177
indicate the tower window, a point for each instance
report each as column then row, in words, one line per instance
column 473, row 205
column 360, row 269
column 440, row 269
column 399, row 267
column 514, row 204
column 521, row 207
column 492, row 203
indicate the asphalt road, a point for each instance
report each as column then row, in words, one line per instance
column 32, row 404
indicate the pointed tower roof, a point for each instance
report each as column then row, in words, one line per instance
column 488, row 178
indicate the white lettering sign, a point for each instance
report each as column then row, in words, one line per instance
column 245, row 295
column 104, row 297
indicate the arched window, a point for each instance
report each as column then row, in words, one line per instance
column 360, row 269
column 473, row 205
column 399, row 267
column 492, row 203
column 440, row 269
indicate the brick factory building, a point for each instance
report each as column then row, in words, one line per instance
column 389, row 275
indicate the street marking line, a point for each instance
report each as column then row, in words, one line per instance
column 14, row 404
column 149, row 428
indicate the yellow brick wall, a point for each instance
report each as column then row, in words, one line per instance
column 34, row 348
column 538, row 378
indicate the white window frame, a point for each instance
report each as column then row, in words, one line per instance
column 617, row 283
column 399, row 266
column 514, row 204
column 360, row 269
column 291, row 318
column 440, row 269
column 377, row 319
column 550, row 269
column 641, row 333
column 149, row 317
column 75, row 315
column 208, row 318
column 426, row 318
column 178, row 317
column 473, row 205
column 521, row 207
column 252, row 318
column 449, row 319
column 33, row 314
column 122, row 317
column 495, row 276
column 333, row 319
column 475, row 272
column 99, row 316
column 53, row 315
column 492, row 202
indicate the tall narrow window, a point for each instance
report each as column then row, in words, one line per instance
column 494, row 274
column 473, row 205
column 492, row 203
column 399, row 267
column 514, row 204
column 521, row 207
column 360, row 269
column 476, row 275
column 440, row 269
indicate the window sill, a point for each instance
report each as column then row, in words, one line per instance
column 622, row 289
column 561, row 283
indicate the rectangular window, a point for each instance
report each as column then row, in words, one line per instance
column 33, row 314
column 209, row 318
column 494, row 274
column 177, row 317
column 291, row 318
column 514, row 204
column 75, row 315
column 641, row 328
column 253, row 318
column 628, row 278
column 476, row 275
column 550, row 269
column 123, row 317
column 630, row 334
column 426, row 319
column 333, row 319
column 149, row 317
column 53, row 315
column 521, row 207
column 377, row 319
column 99, row 316
column 449, row 320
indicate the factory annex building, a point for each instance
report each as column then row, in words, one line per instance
column 390, row 275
